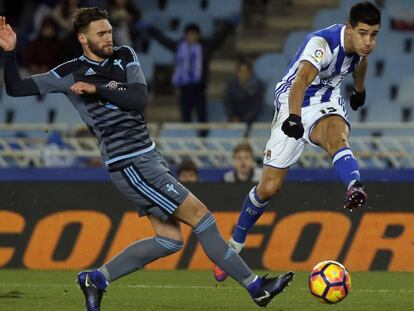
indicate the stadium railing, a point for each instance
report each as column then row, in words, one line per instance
column 377, row 145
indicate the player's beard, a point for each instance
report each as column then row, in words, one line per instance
column 103, row 52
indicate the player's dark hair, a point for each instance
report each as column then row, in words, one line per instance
column 192, row 27
column 187, row 165
column 364, row 12
column 243, row 146
column 82, row 17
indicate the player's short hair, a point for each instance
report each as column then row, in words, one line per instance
column 82, row 17
column 243, row 146
column 187, row 165
column 192, row 27
column 364, row 12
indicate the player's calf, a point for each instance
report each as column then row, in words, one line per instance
column 219, row 274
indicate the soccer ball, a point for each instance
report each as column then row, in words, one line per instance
column 329, row 282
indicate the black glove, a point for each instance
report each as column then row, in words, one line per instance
column 357, row 99
column 293, row 126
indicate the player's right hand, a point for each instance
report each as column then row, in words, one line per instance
column 293, row 126
column 7, row 36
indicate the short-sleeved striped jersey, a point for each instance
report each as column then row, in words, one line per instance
column 121, row 134
column 326, row 51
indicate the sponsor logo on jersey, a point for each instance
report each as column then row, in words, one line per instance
column 90, row 72
column 318, row 55
column 117, row 62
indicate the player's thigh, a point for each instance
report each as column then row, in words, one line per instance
column 325, row 122
column 329, row 127
column 169, row 228
column 282, row 151
column 148, row 183
column 191, row 211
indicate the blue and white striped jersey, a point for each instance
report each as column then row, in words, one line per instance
column 326, row 51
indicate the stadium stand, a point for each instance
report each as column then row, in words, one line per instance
column 390, row 74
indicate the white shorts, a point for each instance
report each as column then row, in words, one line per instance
column 283, row 151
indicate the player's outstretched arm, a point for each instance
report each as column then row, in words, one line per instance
column 15, row 85
column 293, row 126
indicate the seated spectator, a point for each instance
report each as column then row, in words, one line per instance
column 44, row 52
column 52, row 152
column 187, row 172
column 245, row 169
column 243, row 97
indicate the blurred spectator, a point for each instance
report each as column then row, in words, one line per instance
column 51, row 152
column 123, row 16
column 44, row 51
column 187, row 172
column 245, row 169
column 244, row 95
column 62, row 13
column 191, row 71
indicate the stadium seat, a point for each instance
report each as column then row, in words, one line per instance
column 158, row 18
column 203, row 20
column 224, row 9
column 384, row 111
column 172, row 130
column 326, row 18
column 392, row 44
column 31, row 113
column 405, row 94
column 216, row 111
column 183, row 8
column 401, row 9
column 160, row 54
column 396, row 68
column 292, row 43
column 66, row 113
column 268, row 108
column 147, row 66
column 145, row 5
column 235, row 131
column 270, row 66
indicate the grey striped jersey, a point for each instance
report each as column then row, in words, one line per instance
column 121, row 134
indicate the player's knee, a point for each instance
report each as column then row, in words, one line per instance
column 267, row 190
column 336, row 142
column 169, row 246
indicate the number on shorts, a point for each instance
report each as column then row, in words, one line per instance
column 328, row 110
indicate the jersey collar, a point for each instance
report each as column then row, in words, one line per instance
column 84, row 58
column 343, row 37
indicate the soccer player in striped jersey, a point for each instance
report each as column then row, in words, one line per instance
column 310, row 110
column 108, row 88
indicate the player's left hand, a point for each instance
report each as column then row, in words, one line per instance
column 293, row 126
column 83, row 88
column 357, row 99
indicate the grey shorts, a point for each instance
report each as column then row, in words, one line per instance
column 147, row 181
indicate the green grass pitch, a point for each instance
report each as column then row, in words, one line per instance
column 22, row 290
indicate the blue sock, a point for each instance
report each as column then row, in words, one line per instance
column 251, row 211
column 98, row 279
column 254, row 286
column 346, row 166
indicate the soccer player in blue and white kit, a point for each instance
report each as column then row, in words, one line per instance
column 107, row 87
column 310, row 110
